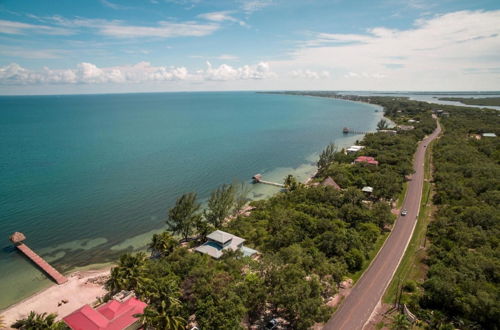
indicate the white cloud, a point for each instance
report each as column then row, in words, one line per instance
column 119, row 29
column 247, row 72
column 32, row 53
column 161, row 30
column 223, row 57
column 10, row 27
column 434, row 54
column 375, row 75
column 308, row 74
column 227, row 57
column 112, row 5
column 221, row 16
column 250, row 6
column 88, row 73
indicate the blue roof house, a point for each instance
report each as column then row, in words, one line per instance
column 219, row 240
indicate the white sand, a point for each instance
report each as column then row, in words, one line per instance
column 77, row 291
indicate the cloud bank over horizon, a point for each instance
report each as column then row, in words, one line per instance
column 88, row 73
column 455, row 50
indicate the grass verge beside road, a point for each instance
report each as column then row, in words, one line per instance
column 402, row 195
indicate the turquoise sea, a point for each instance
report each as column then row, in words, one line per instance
column 87, row 177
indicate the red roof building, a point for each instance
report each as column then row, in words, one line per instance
column 113, row 315
column 366, row 159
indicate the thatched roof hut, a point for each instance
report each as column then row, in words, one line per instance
column 17, row 237
column 257, row 178
column 330, row 183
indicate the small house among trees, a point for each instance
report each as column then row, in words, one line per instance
column 115, row 314
column 353, row 149
column 219, row 240
column 366, row 160
column 329, row 182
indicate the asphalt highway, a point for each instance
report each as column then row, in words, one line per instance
column 356, row 309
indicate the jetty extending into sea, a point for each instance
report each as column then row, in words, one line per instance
column 257, row 178
column 17, row 238
column 347, row 130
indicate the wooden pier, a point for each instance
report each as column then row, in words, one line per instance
column 257, row 178
column 17, row 239
column 347, row 130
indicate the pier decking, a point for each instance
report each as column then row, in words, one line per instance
column 17, row 238
column 347, row 130
column 44, row 265
column 257, row 178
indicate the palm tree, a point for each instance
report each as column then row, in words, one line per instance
column 161, row 318
column 2, row 323
column 400, row 322
column 42, row 321
column 129, row 274
column 162, row 244
column 382, row 124
column 164, row 305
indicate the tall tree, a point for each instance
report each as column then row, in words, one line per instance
column 291, row 183
column 160, row 317
column 164, row 307
column 220, row 204
column 382, row 124
column 129, row 274
column 203, row 228
column 327, row 157
column 296, row 298
column 162, row 244
column 42, row 321
column 240, row 199
column 184, row 215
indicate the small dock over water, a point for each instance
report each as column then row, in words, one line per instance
column 347, row 130
column 18, row 238
column 257, row 178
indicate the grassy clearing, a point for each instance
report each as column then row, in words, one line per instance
column 411, row 267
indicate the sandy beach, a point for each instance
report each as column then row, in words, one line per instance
column 83, row 287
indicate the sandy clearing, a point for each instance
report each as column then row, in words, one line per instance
column 78, row 291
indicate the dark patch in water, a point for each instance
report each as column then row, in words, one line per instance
column 9, row 249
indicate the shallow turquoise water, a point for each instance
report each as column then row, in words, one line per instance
column 87, row 177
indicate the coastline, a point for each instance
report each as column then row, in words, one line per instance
column 84, row 286
column 305, row 171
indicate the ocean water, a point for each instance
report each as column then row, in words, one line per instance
column 88, row 177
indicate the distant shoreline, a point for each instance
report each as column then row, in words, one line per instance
column 485, row 101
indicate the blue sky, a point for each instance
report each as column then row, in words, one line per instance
column 51, row 47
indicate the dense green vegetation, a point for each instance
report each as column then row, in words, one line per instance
column 310, row 238
column 495, row 101
column 42, row 321
column 462, row 286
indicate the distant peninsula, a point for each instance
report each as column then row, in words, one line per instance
column 491, row 101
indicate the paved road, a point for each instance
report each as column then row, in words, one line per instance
column 356, row 309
